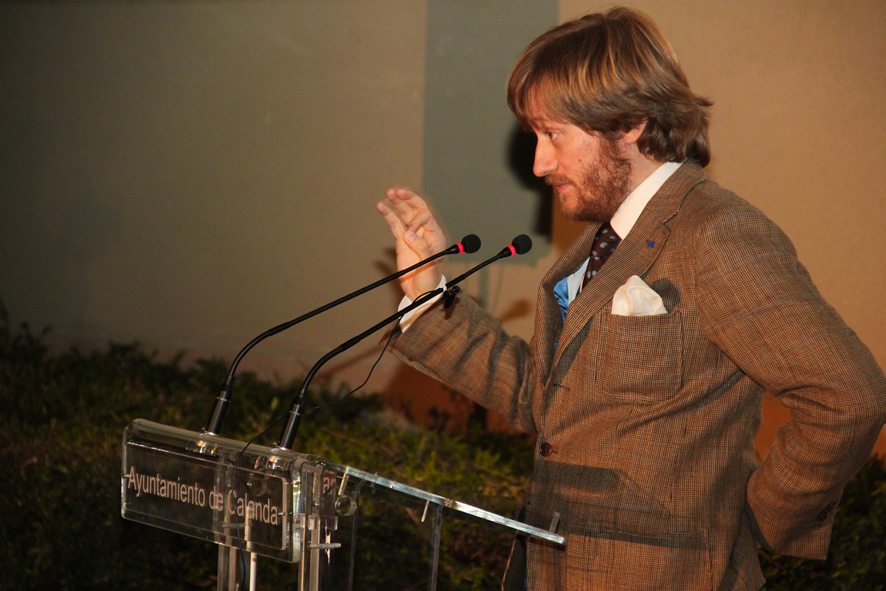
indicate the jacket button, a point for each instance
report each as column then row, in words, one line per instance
column 546, row 449
column 823, row 515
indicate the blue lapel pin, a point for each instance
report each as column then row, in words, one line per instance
column 651, row 243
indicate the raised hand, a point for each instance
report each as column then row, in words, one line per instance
column 417, row 237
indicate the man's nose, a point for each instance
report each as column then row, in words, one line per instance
column 545, row 163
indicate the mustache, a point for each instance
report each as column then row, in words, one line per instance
column 556, row 180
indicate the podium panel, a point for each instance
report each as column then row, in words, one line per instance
column 179, row 481
column 254, row 501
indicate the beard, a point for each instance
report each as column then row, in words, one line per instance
column 602, row 188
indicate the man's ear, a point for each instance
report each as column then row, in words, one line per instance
column 632, row 135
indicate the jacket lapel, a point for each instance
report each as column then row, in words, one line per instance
column 549, row 319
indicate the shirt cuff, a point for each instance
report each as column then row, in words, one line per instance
column 412, row 315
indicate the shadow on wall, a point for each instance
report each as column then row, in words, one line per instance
column 521, row 158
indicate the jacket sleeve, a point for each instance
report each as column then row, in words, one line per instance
column 758, row 304
column 467, row 350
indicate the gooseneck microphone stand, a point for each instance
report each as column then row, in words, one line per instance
column 469, row 244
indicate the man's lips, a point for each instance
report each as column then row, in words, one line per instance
column 559, row 184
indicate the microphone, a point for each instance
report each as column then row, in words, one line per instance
column 469, row 244
column 520, row 245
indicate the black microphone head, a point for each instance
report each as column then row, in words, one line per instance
column 470, row 243
column 522, row 244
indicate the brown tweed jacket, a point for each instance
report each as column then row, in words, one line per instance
column 646, row 424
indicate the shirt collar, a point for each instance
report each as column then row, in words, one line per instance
column 628, row 212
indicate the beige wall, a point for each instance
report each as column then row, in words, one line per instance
column 188, row 174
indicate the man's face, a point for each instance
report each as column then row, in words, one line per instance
column 590, row 174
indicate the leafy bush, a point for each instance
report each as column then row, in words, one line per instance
column 61, row 423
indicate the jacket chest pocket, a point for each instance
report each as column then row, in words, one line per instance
column 641, row 357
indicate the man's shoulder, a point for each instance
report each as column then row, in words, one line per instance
column 708, row 216
column 706, row 203
column 690, row 193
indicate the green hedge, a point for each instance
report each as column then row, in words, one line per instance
column 61, row 422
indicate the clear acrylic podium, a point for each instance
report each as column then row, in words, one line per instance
column 259, row 502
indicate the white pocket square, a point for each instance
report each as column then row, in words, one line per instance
column 635, row 298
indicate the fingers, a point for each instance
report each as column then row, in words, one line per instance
column 417, row 235
column 404, row 211
column 418, row 244
column 410, row 210
column 393, row 211
column 392, row 219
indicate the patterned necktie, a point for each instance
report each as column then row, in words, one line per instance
column 604, row 245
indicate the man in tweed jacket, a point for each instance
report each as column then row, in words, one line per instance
column 646, row 422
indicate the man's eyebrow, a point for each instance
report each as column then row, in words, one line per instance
column 541, row 122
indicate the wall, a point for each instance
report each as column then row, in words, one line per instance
column 188, row 174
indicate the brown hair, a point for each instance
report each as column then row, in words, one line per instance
column 608, row 73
